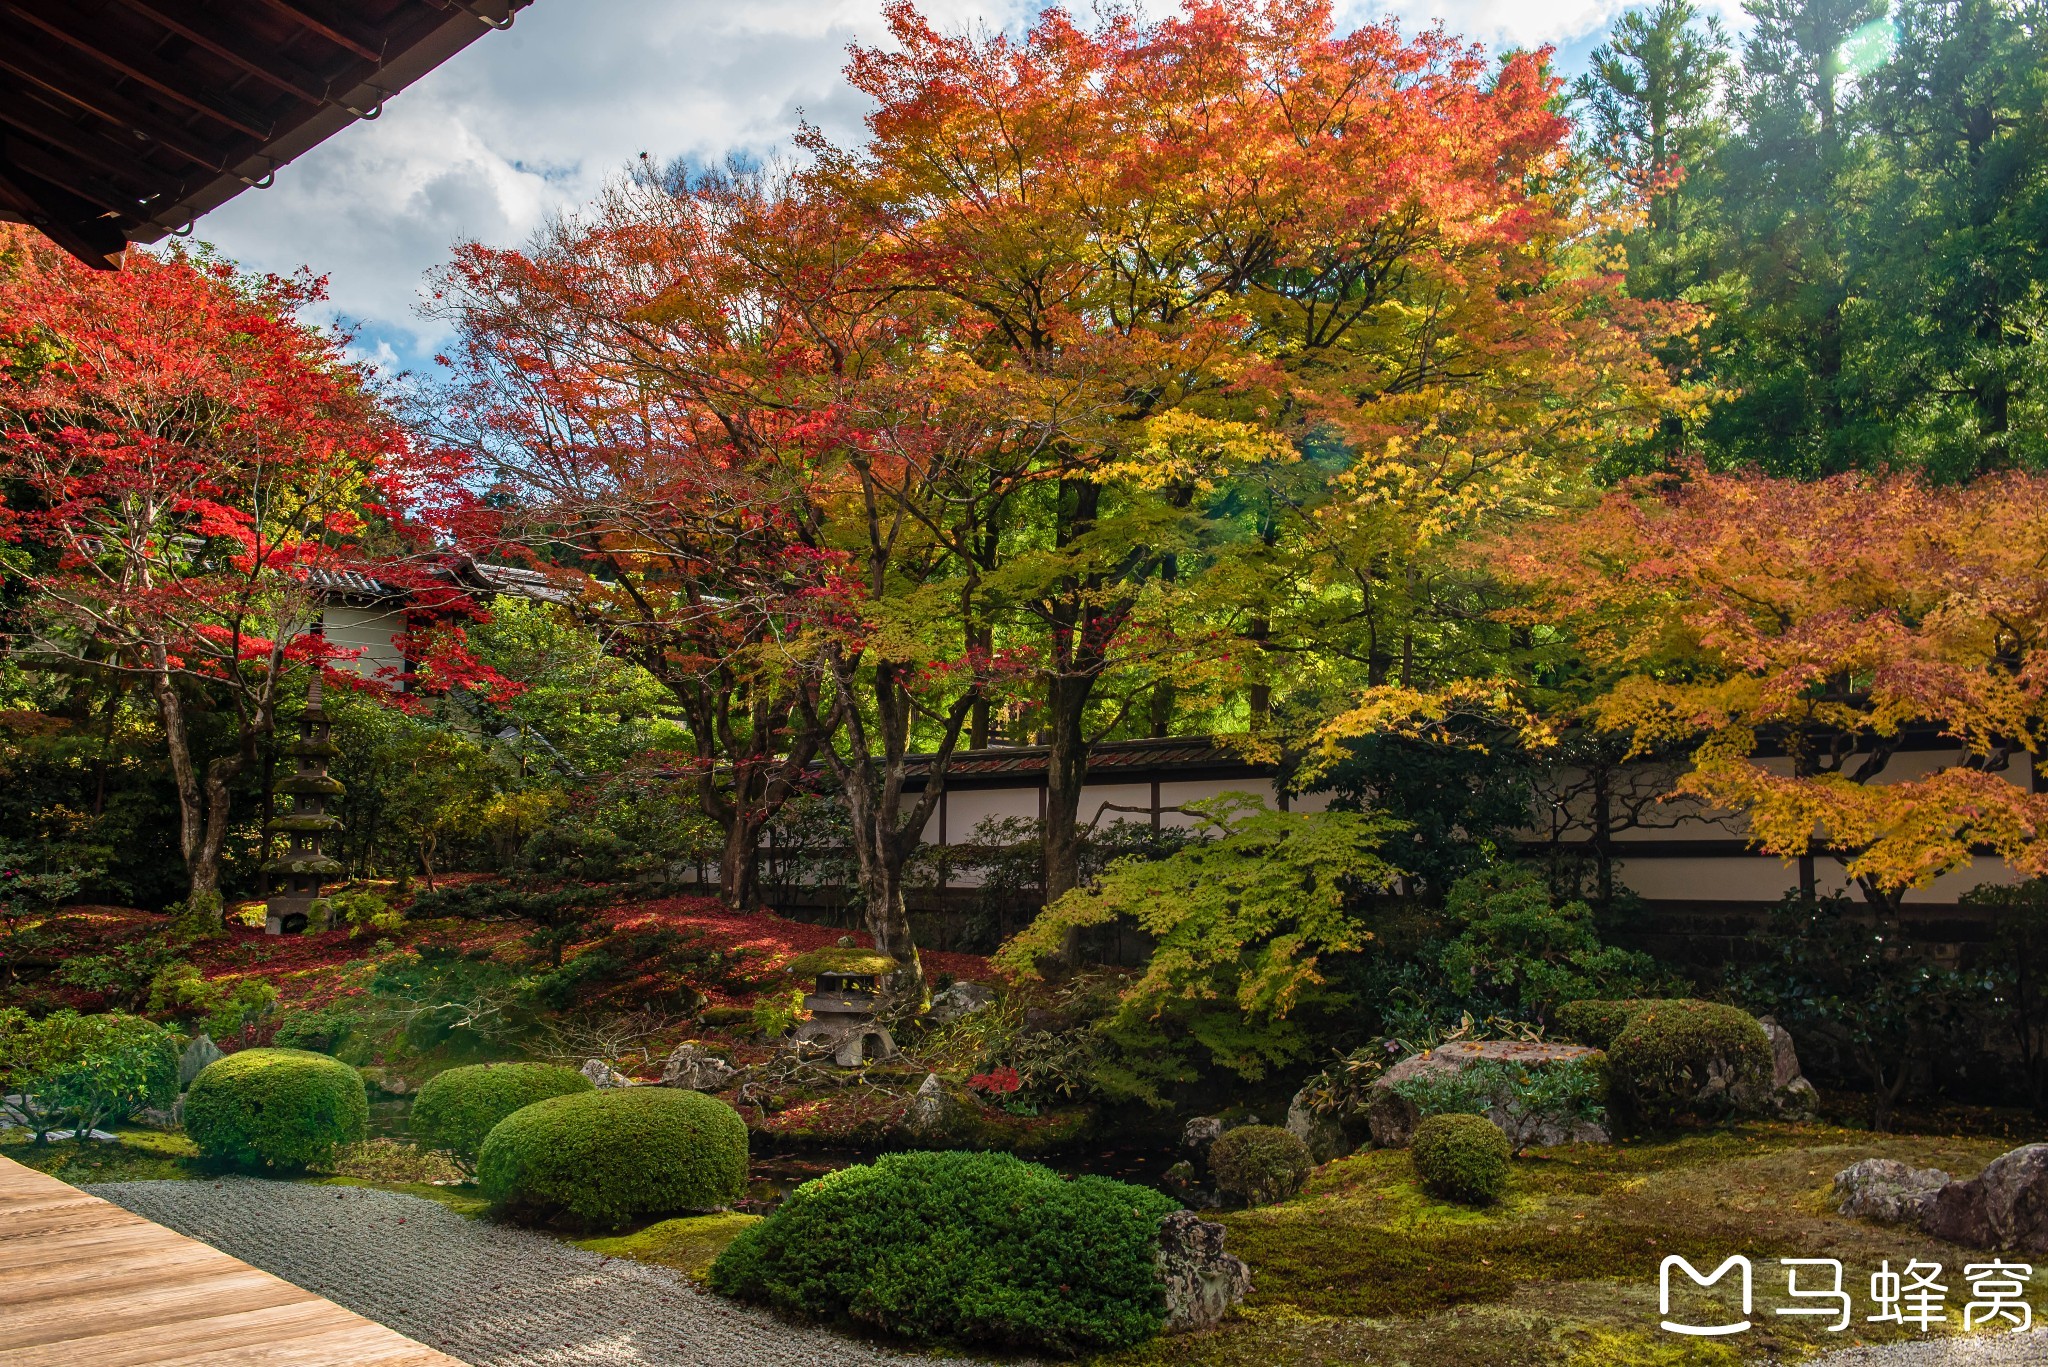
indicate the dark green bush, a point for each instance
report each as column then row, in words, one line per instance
column 82, row 1072
column 978, row 1247
column 1680, row 1060
column 279, row 1108
column 1263, row 1164
column 604, row 1158
column 458, row 1108
column 1461, row 1158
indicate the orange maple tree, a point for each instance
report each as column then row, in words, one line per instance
column 1800, row 640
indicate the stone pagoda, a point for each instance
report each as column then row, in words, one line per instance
column 299, row 869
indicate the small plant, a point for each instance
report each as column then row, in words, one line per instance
column 223, row 1007
column 1461, row 1158
column 606, row 1158
column 776, row 1014
column 1263, row 1164
column 276, row 1108
column 457, row 1109
column 1522, row 1099
column 364, row 910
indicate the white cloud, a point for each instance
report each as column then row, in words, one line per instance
column 530, row 121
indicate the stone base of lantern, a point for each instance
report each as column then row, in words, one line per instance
column 852, row 1043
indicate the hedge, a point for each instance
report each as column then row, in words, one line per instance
column 1677, row 1060
column 607, row 1157
column 458, row 1108
column 278, row 1108
column 974, row 1247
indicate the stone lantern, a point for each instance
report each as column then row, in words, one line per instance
column 842, row 1009
column 297, row 872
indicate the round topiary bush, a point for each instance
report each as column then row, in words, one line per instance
column 603, row 1158
column 1596, row 1023
column 456, row 1109
column 1260, row 1163
column 278, row 1108
column 1682, row 1060
column 1461, row 1158
column 976, row 1247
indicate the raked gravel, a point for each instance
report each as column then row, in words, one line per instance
column 1997, row 1349
column 491, row 1295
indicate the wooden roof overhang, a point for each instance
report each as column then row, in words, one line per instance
column 122, row 121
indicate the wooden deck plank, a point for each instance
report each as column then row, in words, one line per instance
column 84, row 1283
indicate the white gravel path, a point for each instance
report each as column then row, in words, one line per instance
column 491, row 1295
column 1978, row 1350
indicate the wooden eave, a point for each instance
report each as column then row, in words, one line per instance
column 122, row 121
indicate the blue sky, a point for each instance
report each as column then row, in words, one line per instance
column 531, row 121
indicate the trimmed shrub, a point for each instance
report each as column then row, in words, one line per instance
column 607, row 1157
column 456, row 1109
column 1596, row 1023
column 1263, row 1164
column 276, row 1108
column 1676, row 1060
column 82, row 1072
column 1461, row 1158
column 977, row 1247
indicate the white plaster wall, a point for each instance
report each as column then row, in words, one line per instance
column 372, row 632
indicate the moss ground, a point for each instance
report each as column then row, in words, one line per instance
column 1366, row 1267
column 133, row 1155
column 689, row 1244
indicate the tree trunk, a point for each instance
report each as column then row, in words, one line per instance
column 1066, row 770
column 202, row 877
column 739, row 861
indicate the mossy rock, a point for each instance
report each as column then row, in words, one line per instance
column 1260, row 1164
column 458, row 1108
column 841, row 959
column 276, row 1108
column 605, row 1158
column 1461, row 1158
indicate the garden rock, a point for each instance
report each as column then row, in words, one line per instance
column 1393, row 1117
column 386, row 1081
column 960, row 1000
column 1792, row 1096
column 932, row 1111
column 1198, row 1134
column 200, row 1052
column 1886, row 1189
column 602, row 1074
column 696, row 1069
column 2005, row 1206
column 157, row 1117
column 1203, row 1283
column 1324, row 1134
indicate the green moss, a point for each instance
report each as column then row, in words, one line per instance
column 276, row 1108
column 689, row 1244
column 840, row 959
column 134, row 1155
column 606, row 1158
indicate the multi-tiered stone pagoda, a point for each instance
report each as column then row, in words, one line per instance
column 303, row 865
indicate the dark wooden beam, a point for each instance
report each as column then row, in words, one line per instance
column 89, row 38
column 47, row 125
column 100, row 250
column 198, row 26
column 31, row 160
column 333, row 28
column 90, row 93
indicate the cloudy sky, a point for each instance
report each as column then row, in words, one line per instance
column 533, row 119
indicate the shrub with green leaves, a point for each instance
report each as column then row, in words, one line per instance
column 1690, row 1060
column 81, row 1072
column 1595, row 1023
column 276, row 1108
column 1262, row 1164
column 973, row 1247
column 1521, row 1099
column 1461, row 1158
column 604, row 1158
column 458, row 1108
